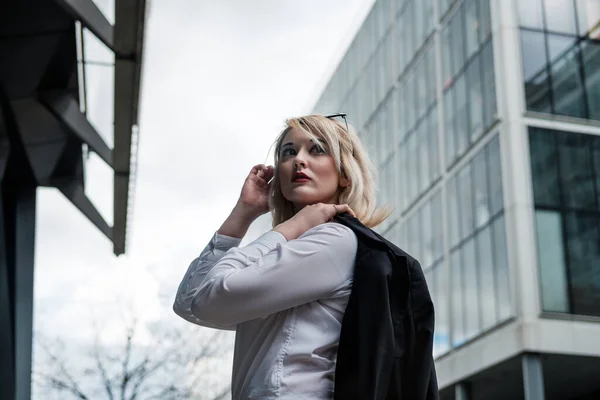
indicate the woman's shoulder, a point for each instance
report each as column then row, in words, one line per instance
column 334, row 235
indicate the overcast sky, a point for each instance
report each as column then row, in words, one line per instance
column 219, row 78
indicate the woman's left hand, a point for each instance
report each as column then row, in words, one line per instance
column 309, row 217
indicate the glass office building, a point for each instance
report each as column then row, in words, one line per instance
column 483, row 119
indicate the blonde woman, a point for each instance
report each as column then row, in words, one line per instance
column 286, row 293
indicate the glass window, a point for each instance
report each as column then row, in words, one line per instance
column 458, row 328
column 409, row 32
column 544, row 170
column 530, row 14
column 495, row 176
column 501, row 269
column 551, row 261
column 591, row 69
column 428, row 16
column 436, row 218
column 489, row 84
column 430, row 76
column 596, row 160
column 453, row 211
column 404, row 171
column 475, row 100
column 471, row 289
column 484, row 17
column 441, row 341
column 576, row 174
column 535, row 71
column 560, row 16
column 583, row 249
column 414, row 229
column 417, row 9
column 400, row 45
column 465, row 201
column 434, row 146
column 458, row 41
column 449, row 126
column 410, row 96
column 471, row 27
column 567, row 83
column 446, row 43
column 413, row 165
column 487, row 290
column 461, row 117
column 588, row 16
column 421, row 83
column 427, row 236
column 424, row 156
column 481, row 190
column 400, row 109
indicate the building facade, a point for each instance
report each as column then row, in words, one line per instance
column 483, row 119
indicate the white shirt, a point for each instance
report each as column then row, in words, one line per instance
column 285, row 300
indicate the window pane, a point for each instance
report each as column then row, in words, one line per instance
column 501, row 269
column 434, row 147
column 475, row 100
column 471, row 290
column 567, row 83
column 484, row 17
column 489, row 85
column 441, row 341
column 453, row 211
column 427, row 235
column 591, row 67
column 471, row 27
column 487, row 290
column 530, row 14
column 412, row 167
column 481, row 190
column 544, row 170
column 436, row 220
column 535, row 72
column 446, row 43
column 588, row 15
column 551, row 261
column 576, row 174
column 430, row 76
column 421, row 84
column 495, row 176
column 465, row 201
column 583, row 243
column 596, row 161
column 409, row 99
column 449, row 125
column 461, row 130
column 458, row 330
column 424, row 155
column 458, row 41
column 560, row 16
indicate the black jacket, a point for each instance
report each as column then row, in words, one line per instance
column 386, row 341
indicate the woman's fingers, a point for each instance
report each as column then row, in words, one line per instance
column 342, row 208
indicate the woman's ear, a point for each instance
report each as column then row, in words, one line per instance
column 344, row 182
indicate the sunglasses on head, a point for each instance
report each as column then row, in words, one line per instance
column 339, row 115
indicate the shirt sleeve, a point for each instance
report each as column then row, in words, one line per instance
column 272, row 274
column 195, row 274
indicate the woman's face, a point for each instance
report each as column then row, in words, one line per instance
column 307, row 174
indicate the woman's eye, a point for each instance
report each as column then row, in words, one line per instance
column 287, row 152
column 318, row 149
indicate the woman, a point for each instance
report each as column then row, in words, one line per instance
column 285, row 293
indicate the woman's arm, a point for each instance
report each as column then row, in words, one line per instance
column 272, row 274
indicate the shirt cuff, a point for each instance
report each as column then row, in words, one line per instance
column 224, row 242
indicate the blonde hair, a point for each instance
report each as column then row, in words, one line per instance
column 352, row 163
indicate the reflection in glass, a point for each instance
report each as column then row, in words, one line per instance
column 424, row 156
column 588, row 16
column 471, row 27
column 495, row 176
column 458, row 307
column 501, row 269
column 436, row 217
column 453, row 211
column 487, row 290
column 567, row 84
column 560, row 16
column 475, row 100
column 480, row 189
column 551, row 261
column 544, row 170
column 446, row 42
column 471, row 290
column 449, row 126
column 576, row 173
column 590, row 52
column 458, row 40
column 530, row 14
column 465, row 201
column 484, row 17
column 489, row 84
column 434, row 146
column 535, row 72
column 460, row 124
column 583, row 241
column 441, row 342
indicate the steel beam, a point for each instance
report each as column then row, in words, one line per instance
column 92, row 18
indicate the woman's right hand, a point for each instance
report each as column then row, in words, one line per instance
column 254, row 197
column 309, row 217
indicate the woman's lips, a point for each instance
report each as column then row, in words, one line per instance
column 300, row 180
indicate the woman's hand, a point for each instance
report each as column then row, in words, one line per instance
column 309, row 217
column 253, row 202
column 254, row 198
